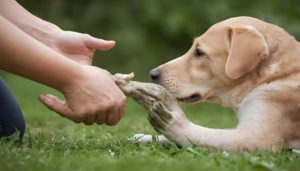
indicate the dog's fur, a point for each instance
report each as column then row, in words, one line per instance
column 249, row 65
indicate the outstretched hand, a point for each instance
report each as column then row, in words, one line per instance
column 78, row 46
column 94, row 98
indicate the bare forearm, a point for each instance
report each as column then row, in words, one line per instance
column 32, row 25
column 25, row 56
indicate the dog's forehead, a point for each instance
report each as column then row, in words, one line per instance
column 218, row 31
column 211, row 37
column 214, row 32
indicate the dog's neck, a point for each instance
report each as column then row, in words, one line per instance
column 283, row 61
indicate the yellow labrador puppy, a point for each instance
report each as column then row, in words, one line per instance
column 249, row 65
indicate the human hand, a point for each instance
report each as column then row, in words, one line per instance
column 77, row 46
column 94, row 98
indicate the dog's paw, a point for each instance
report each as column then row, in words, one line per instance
column 165, row 120
column 160, row 116
column 146, row 138
column 172, row 123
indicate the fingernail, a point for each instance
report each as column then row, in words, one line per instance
column 41, row 96
column 111, row 41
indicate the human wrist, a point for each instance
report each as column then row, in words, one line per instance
column 44, row 32
column 75, row 76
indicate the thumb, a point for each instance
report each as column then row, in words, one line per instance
column 57, row 105
column 99, row 44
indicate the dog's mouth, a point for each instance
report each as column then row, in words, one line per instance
column 191, row 99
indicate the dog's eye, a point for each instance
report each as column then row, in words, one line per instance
column 198, row 53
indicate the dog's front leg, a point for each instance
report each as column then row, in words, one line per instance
column 252, row 133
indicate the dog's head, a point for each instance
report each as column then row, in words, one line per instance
column 219, row 58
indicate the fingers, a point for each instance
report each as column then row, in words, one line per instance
column 90, row 120
column 99, row 44
column 58, row 106
column 112, row 116
column 121, row 110
column 101, row 118
column 116, row 110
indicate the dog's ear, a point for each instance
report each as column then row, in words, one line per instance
column 247, row 48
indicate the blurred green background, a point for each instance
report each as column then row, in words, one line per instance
column 149, row 33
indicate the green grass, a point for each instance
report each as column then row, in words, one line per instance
column 54, row 143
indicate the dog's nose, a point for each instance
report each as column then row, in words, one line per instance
column 155, row 74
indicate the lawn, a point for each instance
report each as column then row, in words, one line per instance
column 54, row 143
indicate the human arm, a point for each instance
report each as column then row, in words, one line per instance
column 91, row 95
column 76, row 46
